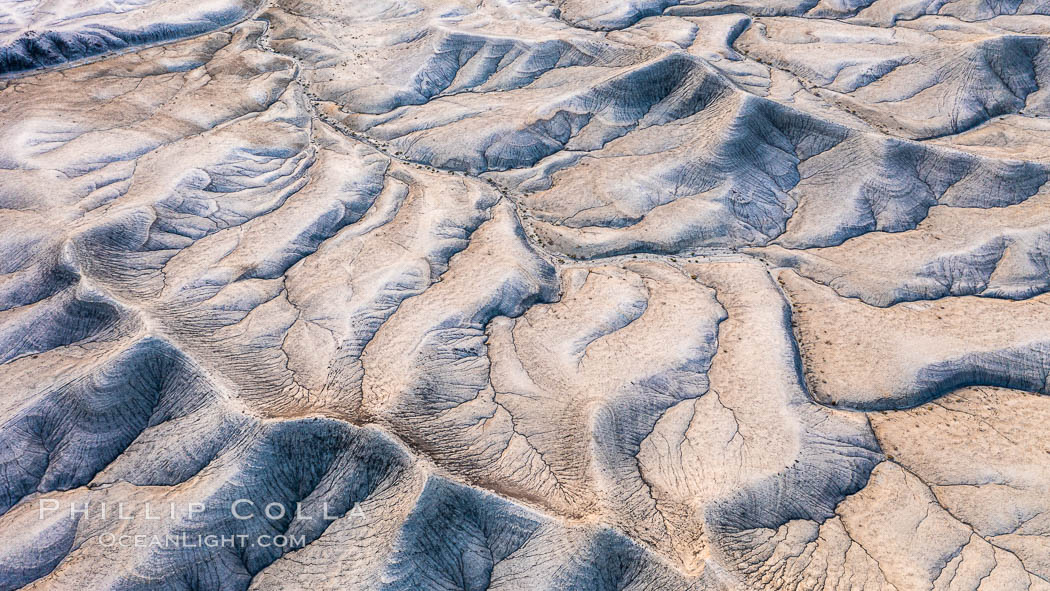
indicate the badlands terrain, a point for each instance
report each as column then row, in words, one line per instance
column 595, row 295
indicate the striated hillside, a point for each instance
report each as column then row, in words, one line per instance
column 515, row 295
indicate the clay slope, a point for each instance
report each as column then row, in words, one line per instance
column 515, row 295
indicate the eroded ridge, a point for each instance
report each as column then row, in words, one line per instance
column 508, row 295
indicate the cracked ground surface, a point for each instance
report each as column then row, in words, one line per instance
column 525, row 295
